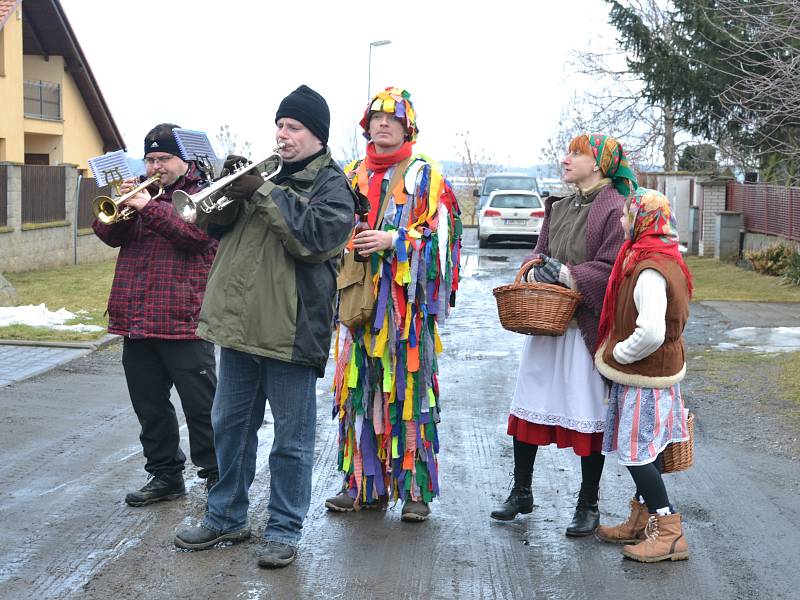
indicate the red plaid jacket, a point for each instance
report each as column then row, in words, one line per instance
column 162, row 268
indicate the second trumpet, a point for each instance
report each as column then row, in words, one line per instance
column 213, row 197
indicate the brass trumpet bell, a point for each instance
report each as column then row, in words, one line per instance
column 110, row 210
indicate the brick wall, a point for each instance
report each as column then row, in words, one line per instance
column 712, row 203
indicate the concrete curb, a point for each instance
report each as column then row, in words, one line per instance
column 106, row 340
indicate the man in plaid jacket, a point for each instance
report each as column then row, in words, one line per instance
column 155, row 301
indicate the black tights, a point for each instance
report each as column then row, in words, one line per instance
column 650, row 486
column 591, row 467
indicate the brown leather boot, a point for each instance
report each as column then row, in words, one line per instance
column 629, row 532
column 665, row 541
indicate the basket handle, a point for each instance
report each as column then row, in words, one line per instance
column 525, row 268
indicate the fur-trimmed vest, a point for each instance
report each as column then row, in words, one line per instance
column 666, row 366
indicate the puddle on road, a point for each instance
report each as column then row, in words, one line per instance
column 762, row 339
column 472, row 264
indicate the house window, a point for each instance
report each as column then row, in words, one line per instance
column 43, row 100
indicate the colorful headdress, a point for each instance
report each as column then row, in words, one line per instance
column 651, row 216
column 611, row 159
column 397, row 102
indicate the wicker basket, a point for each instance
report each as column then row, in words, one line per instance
column 535, row 308
column 679, row 456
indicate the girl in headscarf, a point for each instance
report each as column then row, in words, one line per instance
column 642, row 351
column 560, row 396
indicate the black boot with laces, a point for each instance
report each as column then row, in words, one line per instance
column 162, row 486
column 519, row 501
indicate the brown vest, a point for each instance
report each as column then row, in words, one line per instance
column 667, row 365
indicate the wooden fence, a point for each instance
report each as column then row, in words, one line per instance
column 88, row 192
column 43, row 190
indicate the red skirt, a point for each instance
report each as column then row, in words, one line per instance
column 583, row 444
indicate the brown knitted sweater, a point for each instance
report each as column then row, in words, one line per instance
column 604, row 237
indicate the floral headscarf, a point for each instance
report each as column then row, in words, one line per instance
column 612, row 162
column 397, row 102
column 652, row 234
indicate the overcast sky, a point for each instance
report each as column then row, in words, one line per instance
column 495, row 69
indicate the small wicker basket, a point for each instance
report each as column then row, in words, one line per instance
column 535, row 308
column 679, row 456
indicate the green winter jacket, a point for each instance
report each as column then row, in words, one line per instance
column 272, row 287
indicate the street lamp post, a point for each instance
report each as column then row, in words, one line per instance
column 369, row 64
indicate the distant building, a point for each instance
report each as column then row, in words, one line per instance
column 52, row 109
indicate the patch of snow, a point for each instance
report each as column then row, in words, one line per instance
column 39, row 316
column 763, row 339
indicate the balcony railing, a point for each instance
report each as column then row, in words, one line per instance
column 43, row 100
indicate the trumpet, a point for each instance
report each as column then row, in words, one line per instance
column 213, row 198
column 110, row 210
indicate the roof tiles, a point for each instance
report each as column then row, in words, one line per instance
column 6, row 8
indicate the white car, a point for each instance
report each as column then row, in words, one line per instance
column 510, row 215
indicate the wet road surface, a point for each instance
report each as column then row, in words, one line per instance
column 70, row 452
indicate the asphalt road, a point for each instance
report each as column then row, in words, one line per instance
column 70, row 451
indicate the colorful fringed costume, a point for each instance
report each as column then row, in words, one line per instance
column 386, row 389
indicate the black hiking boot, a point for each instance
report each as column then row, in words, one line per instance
column 275, row 555
column 162, row 486
column 519, row 501
column 587, row 515
column 202, row 537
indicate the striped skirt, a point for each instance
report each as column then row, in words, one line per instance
column 641, row 422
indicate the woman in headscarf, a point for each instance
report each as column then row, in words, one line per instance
column 386, row 386
column 642, row 351
column 559, row 396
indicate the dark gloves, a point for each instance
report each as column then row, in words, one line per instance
column 234, row 161
column 243, row 187
column 548, row 271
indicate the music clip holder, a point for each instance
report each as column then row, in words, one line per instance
column 110, row 169
column 195, row 146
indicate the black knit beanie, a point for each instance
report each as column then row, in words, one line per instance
column 161, row 139
column 308, row 107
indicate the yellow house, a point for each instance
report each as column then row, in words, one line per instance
column 51, row 108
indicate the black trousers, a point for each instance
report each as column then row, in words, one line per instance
column 152, row 367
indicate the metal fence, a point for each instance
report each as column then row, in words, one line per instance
column 43, row 190
column 3, row 195
column 767, row 209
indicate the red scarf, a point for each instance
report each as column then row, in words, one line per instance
column 632, row 253
column 378, row 164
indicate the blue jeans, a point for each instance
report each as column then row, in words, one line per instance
column 246, row 382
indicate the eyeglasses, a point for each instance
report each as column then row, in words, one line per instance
column 158, row 159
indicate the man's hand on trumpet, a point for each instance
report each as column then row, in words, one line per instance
column 244, row 187
column 137, row 201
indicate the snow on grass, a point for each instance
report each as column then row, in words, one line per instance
column 39, row 316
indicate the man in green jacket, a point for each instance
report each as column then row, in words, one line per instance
column 269, row 304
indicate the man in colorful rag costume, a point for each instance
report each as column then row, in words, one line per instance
column 559, row 396
column 386, row 389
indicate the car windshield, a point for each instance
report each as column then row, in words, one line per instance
column 508, row 183
column 515, row 201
